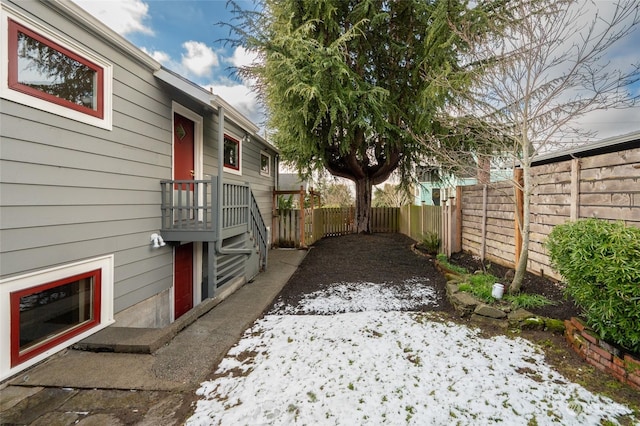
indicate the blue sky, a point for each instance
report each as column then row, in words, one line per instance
column 184, row 36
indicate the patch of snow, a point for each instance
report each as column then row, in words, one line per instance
column 364, row 296
column 370, row 365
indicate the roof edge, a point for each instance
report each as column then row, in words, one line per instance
column 93, row 24
column 604, row 146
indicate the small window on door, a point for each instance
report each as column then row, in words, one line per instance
column 232, row 150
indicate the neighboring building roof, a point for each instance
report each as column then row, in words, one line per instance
column 604, row 146
column 291, row 182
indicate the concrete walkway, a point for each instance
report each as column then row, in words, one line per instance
column 150, row 375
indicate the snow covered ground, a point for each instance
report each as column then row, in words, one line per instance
column 351, row 360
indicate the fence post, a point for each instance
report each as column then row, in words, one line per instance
column 483, row 243
column 575, row 189
column 443, row 226
column 456, row 243
column 449, row 219
column 302, row 243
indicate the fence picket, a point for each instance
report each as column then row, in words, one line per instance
column 413, row 221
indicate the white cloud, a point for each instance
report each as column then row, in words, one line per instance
column 199, row 58
column 123, row 16
column 158, row 55
column 611, row 122
column 242, row 98
column 242, row 57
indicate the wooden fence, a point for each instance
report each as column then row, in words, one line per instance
column 417, row 221
column 481, row 219
column 323, row 222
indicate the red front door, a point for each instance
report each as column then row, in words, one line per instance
column 183, row 161
column 182, row 147
column 183, row 276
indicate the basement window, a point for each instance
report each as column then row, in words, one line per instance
column 51, row 309
column 47, row 314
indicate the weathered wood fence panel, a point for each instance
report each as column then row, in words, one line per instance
column 385, row 219
column 417, row 221
column 337, row 221
column 327, row 222
column 605, row 186
column 286, row 232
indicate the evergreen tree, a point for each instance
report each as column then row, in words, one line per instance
column 347, row 83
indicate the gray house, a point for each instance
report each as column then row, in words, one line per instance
column 116, row 206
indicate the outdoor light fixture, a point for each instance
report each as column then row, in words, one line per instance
column 246, row 138
column 157, row 241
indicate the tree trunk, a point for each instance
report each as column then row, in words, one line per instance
column 363, row 206
column 525, row 225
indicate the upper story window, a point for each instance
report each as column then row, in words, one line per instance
column 232, row 154
column 265, row 164
column 45, row 71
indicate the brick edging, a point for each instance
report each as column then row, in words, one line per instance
column 602, row 355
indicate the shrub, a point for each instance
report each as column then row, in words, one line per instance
column 431, row 242
column 600, row 262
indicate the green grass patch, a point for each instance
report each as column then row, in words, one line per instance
column 481, row 287
column 442, row 258
column 527, row 301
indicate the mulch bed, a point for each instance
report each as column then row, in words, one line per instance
column 388, row 258
column 377, row 258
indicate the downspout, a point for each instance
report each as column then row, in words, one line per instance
column 219, row 248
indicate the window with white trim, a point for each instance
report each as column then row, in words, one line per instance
column 44, row 71
column 232, row 154
column 52, row 309
column 50, row 313
column 265, row 164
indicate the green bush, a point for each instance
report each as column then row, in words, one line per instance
column 600, row 262
column 431, row 241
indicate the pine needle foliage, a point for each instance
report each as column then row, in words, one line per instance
column 347, row 83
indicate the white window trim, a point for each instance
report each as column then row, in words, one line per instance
column 22, row 98
column 34, row 279
column 230, row 169
column 266, row 154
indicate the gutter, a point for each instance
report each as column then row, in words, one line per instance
column 219, row 248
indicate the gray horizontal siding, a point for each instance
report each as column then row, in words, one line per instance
column 71, row 191
column 47, row 155
column 33, row 195
column 25, row 173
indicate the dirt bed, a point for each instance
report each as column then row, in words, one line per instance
column 375, row 258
